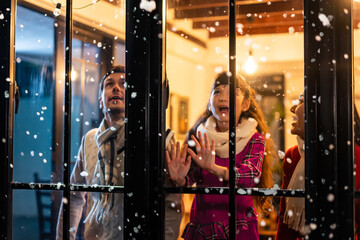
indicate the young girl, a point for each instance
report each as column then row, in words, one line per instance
column 209, row 217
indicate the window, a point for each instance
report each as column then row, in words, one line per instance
column 58, row 65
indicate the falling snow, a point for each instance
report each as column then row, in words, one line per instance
column 281, row 154
column 324, row 19
column 148, row 6
column 191, row 143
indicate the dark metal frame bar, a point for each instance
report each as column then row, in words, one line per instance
column 232, row 120
column 144, row 75
column 329, row 113
column 345, row 119
column 7, row 59
column 67, row 119
column 156, row 121
column 185, row 190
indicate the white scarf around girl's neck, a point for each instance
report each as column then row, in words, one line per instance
column 294, row 215
column 244, row 131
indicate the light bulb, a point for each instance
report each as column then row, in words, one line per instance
column 250, row 65
column 57, row 10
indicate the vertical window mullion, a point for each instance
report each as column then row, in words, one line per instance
column 232, row 123
column 67, row 118
column 310, row 47
column 328, row 121
column 136, row 197
column 7, row 53
column 345, row 118
column 156, row 122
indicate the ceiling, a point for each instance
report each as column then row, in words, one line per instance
column 252, row 16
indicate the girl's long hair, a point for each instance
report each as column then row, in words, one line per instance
column 262, row 202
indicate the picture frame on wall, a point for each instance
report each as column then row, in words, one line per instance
column 178, row 114
column 183, row 104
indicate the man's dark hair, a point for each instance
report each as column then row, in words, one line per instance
column 114, row 69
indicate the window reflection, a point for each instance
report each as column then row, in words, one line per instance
column 37, row 221
column 34, row 138
column 85, row 77
column 34, row 75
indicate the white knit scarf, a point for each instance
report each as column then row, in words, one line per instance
column 108, row 169
column 244, row 131
column 294, row 215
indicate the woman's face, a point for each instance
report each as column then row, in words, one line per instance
column 219, row 106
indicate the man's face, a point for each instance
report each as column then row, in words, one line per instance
column 298, row 124
column 112, row 99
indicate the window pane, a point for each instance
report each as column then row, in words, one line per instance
column 94, row 41
column 35, row 214
column 198, row 49
column 35, row 142
column 192, row 63
column 85, row 79
column 275, row 70
column 356, row 24
column 97, row 154
column 357, row 87
column 173, row 215
column 92, row 216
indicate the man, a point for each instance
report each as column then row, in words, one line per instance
column 97, row 165
column 291, row 219
column 101, row 161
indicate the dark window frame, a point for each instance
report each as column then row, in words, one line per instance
column 332, row 81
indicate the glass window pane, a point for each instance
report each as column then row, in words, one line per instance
column 173, row 215
column 192, row 63
column 275, row 70
column 94, row 43
column 357, row 86
column 198, row 50
column 97, row 154
column 35, row 214
column 89, row 221
column 35, row 138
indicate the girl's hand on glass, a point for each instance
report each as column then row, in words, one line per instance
column 178, row 164
column 205, row 157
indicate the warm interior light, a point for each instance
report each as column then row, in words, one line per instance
column 250, row 66
column 74, row 75
column 57, row 10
